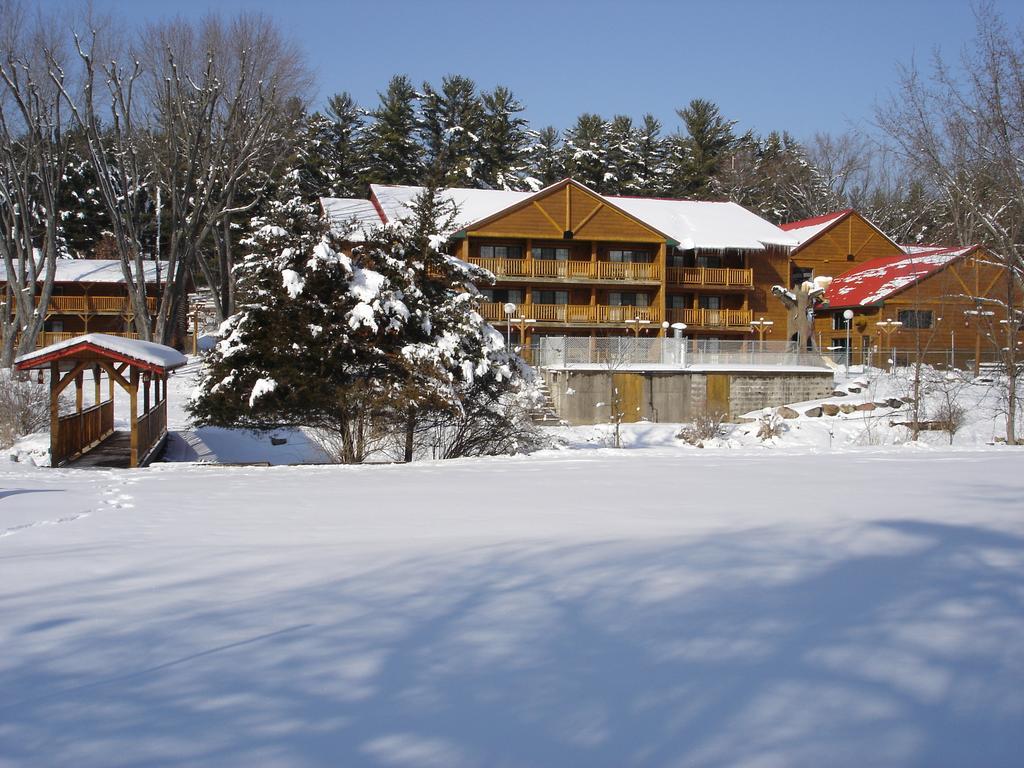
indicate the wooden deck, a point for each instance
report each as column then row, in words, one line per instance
column 112, row 453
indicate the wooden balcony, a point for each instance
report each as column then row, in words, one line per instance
column 570, row 314
column 93, row 305
column 580, row 271
column 710, row 277
column 729, row 319
column 46, row 338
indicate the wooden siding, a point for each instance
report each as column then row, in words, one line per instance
column 946, row 294
column 568, row 208
column 828, row 254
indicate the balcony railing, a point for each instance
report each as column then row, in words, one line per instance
column 93, row 305
column 591, row 314
column 615, row 271
column 46, row 338
column 712, row 277
column 712, row 318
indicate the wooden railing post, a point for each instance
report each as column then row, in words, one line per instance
column 79, row 392
column 54, row 413
column 96, row 384
column 133, row 419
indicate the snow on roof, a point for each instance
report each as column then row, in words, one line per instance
column 705, row 225
column 912, row 249
column 351, row 217
column 97, row 271
column 876, row 280
column 148, row 352
column 693, row 224
column 473, row 204
column 807, row 229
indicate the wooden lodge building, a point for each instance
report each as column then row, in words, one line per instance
column 912, row 298
column 90, row 296
column 578, row 263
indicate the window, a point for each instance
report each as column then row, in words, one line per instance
column 915, row 318
column 501, row 252
column 712, row 260
column 515, row 295
column 839, row 322
column 629, row 257
column 801, row 275
column 677, row 301
column 551, row 297
column 627, row 299
column 710, row 302
column 551, row 254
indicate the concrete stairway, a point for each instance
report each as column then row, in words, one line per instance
column 543, row 413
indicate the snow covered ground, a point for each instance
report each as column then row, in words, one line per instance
column 832, row 596
column 601, row 607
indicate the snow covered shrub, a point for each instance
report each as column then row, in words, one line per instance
column 24, row 407
column 707, row 425
column 770, row 425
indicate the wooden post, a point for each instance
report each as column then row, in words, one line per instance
column 195, row 330
column 96, row 384
column 79, row 392
column 133, row 419
column 662, row 296
column 54, row 411
column 145, row 392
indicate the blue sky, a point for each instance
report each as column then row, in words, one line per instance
column 802, row 66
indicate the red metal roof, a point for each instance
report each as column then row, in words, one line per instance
column 874, row 281
column 826, row 217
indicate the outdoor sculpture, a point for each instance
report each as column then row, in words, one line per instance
column 800, row 303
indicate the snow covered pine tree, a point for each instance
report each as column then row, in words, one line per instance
column 369, row 350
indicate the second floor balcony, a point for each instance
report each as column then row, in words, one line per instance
column 580, row 271
column 726, row 319
column 93, row 305
column 710, row 277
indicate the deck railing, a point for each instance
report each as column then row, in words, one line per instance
column 78, row 432
column 46, row 338
column 572, row 313
column 93, row 305
column 711, row 277
column 151, row 428
column 614, row 271
column 712, row 318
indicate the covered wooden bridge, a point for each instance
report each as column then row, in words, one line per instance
column 87, row 436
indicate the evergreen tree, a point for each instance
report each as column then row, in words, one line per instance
column 83, row 216
column 345, row 146
column 391, row 150
column 504, row 140
column 451, row 128
column 696, row 157
column 622, row 176
column 650, row 162
column 361, row 348
column 586, row 151
column 546, row 163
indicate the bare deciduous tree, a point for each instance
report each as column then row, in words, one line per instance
column 33, row 155
column 964, row 132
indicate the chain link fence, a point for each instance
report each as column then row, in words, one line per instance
column 625, row 351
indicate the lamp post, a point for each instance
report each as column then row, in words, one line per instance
column 636, row 324
column 762, row 327
column 848, row 316
column 510, row 309
column 679, row 328
column 523, row 322
column 889, row 327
